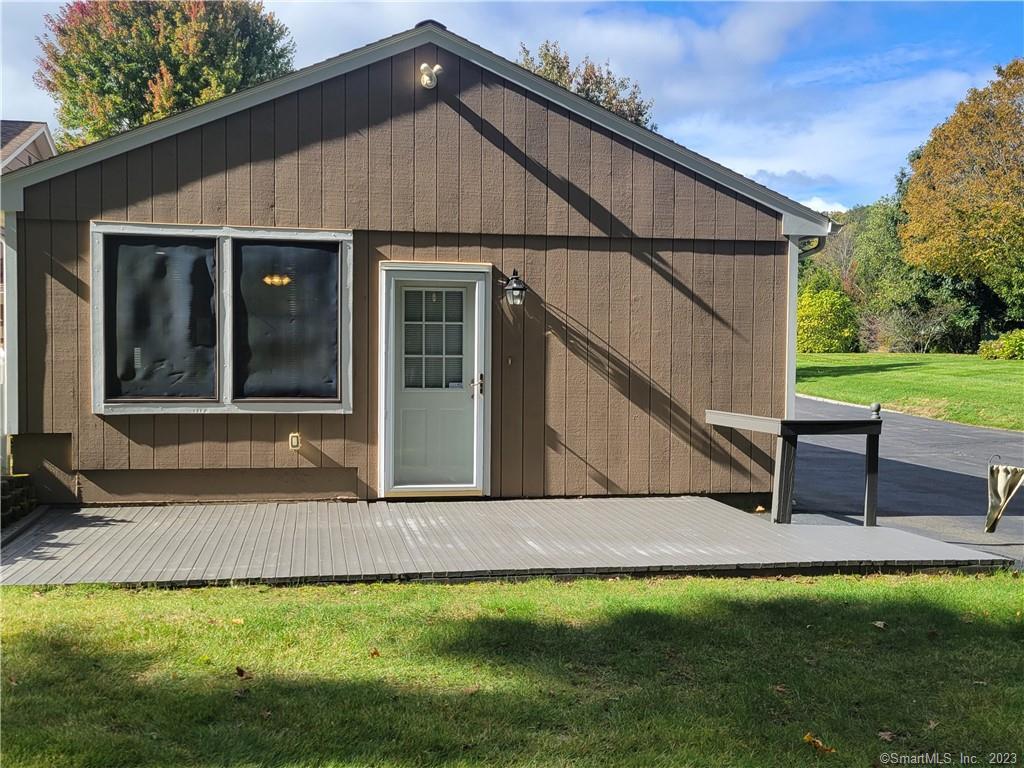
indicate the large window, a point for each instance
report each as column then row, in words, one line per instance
column 285, row 318
column 160, row 317
column 211, row 319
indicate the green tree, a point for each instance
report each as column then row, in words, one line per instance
column 112, row 66
column 594, row 82
column 965, row 199
column 826, row 321
column 910, row 308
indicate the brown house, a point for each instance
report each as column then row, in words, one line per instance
column 303, row 290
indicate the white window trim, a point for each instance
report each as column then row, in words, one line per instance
column 223, row 403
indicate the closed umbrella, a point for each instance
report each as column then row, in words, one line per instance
column 1003, row 482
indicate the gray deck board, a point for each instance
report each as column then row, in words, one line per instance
column 261, row 544
column 234, row 567
column 346, row 541
column 164, row 545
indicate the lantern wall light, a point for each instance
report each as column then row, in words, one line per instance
column 515, row 289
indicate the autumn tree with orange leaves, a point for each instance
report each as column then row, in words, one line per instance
column 112, row 66
column 965, row 199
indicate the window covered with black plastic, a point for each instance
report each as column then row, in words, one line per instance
column 285, row 318
column 160, row 317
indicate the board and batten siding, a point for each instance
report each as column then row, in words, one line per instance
column 655, row 294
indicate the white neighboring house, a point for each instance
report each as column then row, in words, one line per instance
column 22, row 143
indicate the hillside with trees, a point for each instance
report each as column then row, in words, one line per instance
column 938, row 265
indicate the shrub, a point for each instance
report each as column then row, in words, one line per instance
column 916, row 329
column 826, row 321
column 1009, row 346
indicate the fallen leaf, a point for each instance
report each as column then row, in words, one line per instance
column 37, row 594
column 374, row 653
column 932, row 724
column 12, row 680
column 886, row 735
column 469, row 690
column 879, row 624
column 759, row 508
column 265, row 714
column 817, row 743
column 780, row 688
column 238, row 621
column 243, row 673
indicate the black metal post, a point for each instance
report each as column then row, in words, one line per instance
column 871, row 473
column 784, row 479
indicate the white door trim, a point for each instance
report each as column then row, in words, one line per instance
column 437, row 272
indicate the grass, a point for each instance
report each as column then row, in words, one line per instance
column 662, row 672
column 961, row 388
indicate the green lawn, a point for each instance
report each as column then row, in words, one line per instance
column 961, row 388
column 664, row 672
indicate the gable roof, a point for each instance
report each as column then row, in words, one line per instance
column 18, row 135
column 797, row 219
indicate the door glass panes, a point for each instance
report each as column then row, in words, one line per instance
column 433, row 309
column 433, row 339
column 414, row 372
column 433, row 331
column 433, row 375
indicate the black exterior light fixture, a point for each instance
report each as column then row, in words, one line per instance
column 515, row 290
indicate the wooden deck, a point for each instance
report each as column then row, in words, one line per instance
column 340, row 541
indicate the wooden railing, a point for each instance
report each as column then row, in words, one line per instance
column 787, row 431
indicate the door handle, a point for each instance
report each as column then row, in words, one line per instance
column 477, row 386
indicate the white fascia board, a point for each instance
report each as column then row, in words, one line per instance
column 792, row 275
column 797, row 219
column 11, row 298
column 49, row 139
column 804, row 226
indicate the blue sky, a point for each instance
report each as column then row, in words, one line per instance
column 821, row 101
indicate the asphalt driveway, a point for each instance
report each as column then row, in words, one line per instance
column 932, row 478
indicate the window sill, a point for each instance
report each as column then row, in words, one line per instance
column 158, row 408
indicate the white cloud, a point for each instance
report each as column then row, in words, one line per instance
column 824, row 206
column 859, row 140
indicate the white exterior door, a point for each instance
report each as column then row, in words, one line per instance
column 435, row 381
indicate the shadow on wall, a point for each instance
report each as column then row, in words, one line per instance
column 618, row 371
column 406, row 106
column 637, row 687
